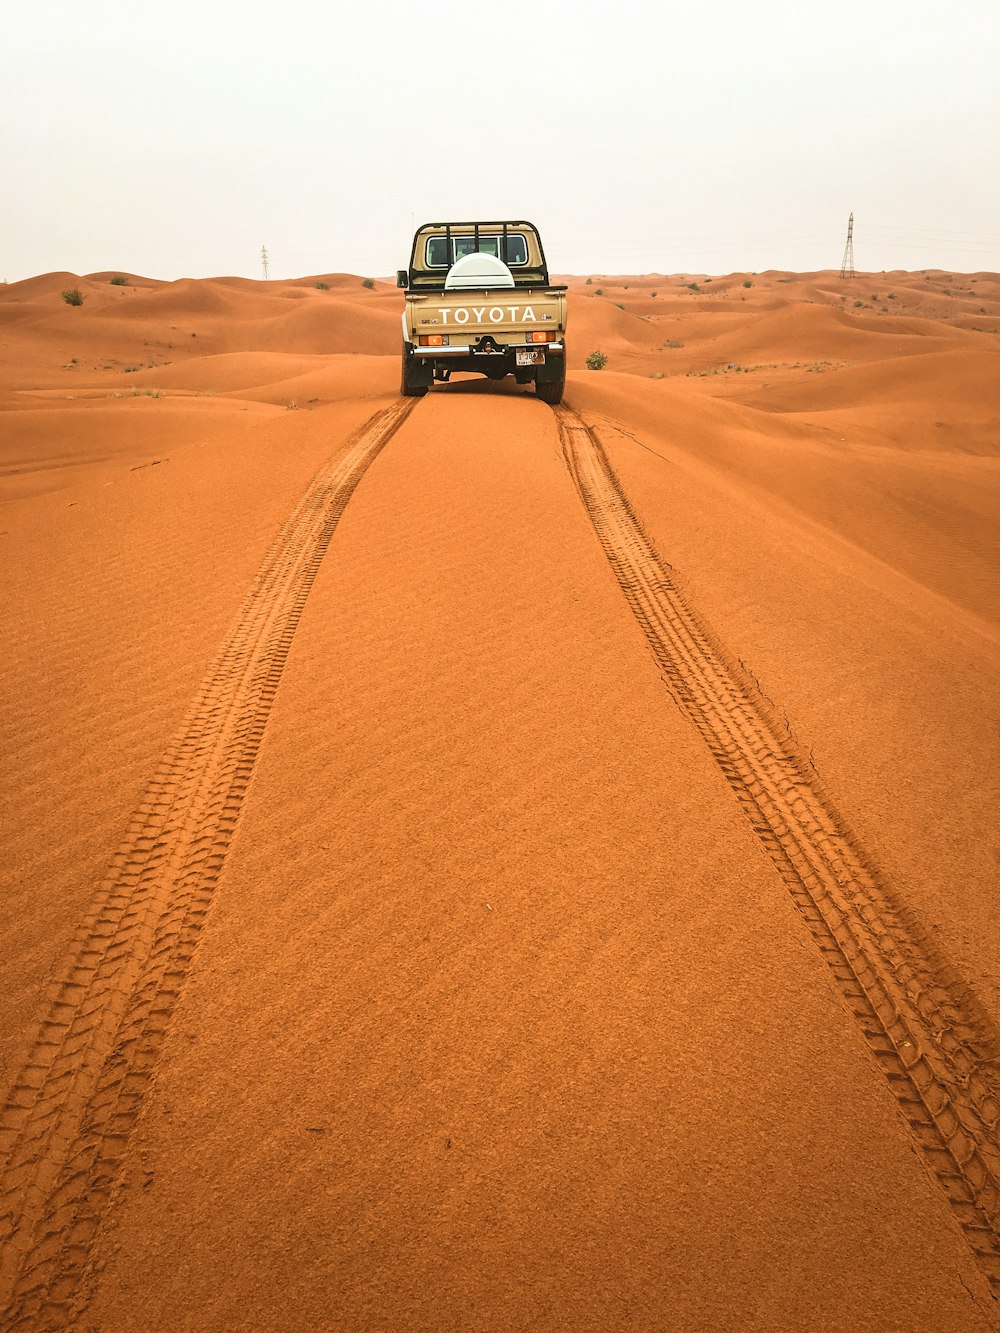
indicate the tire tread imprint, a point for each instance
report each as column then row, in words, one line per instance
column 937, row 1052
column 65, row 1126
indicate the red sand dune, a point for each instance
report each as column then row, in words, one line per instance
column 407, row 950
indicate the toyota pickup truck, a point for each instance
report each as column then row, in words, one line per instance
column 478, row 298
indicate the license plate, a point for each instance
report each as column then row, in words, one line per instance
column 528, row 356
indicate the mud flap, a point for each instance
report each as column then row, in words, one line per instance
column 419, row 371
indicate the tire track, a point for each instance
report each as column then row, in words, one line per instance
column 64, row 1129
column 938, row 1055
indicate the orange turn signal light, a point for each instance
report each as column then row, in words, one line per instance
column 432, row 340
column 542, row 336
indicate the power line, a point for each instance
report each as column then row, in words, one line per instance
column 712, row 241
column 691, row 247
column 935, row 231
column 713, row 238
column 887, row 243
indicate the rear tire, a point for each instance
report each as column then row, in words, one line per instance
column 551, row 391
column 406, row 386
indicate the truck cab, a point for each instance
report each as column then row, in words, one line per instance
column 478, row 298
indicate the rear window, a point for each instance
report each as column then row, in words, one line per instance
column 461, row 245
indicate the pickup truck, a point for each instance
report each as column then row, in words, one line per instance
column 478, row 299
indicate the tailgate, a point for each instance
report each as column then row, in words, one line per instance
column 511, row 313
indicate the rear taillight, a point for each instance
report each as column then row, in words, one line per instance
column 542, row 336
column 432, row 340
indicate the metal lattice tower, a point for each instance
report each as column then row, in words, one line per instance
column 263, row 260
column 847, row 267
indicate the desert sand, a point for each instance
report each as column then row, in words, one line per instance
column 471, row 866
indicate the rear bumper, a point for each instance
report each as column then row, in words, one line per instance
column 466, row 349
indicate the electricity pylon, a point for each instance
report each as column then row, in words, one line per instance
column 263, row 260
column 847, row 267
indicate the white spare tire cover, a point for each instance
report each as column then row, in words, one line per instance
column 478, row 271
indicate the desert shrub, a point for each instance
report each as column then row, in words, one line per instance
column 596, row 361
column 119, row 281
column 619, row 305
column 322, row 286
column 73, row 296
column 693, row 286
column 599, row 291
column 672, row 342
column 858, row 304
column 747, row 282
column 368, row 282
column 590, row 282
column 892, row 296
column 652, row 293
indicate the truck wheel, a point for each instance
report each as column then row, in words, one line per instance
column 551, row 391
column 406, row 386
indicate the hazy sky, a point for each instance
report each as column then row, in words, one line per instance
column 174, row 139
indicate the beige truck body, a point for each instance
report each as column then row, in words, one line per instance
column 478, row 298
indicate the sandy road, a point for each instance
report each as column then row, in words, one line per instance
column 501, row 915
